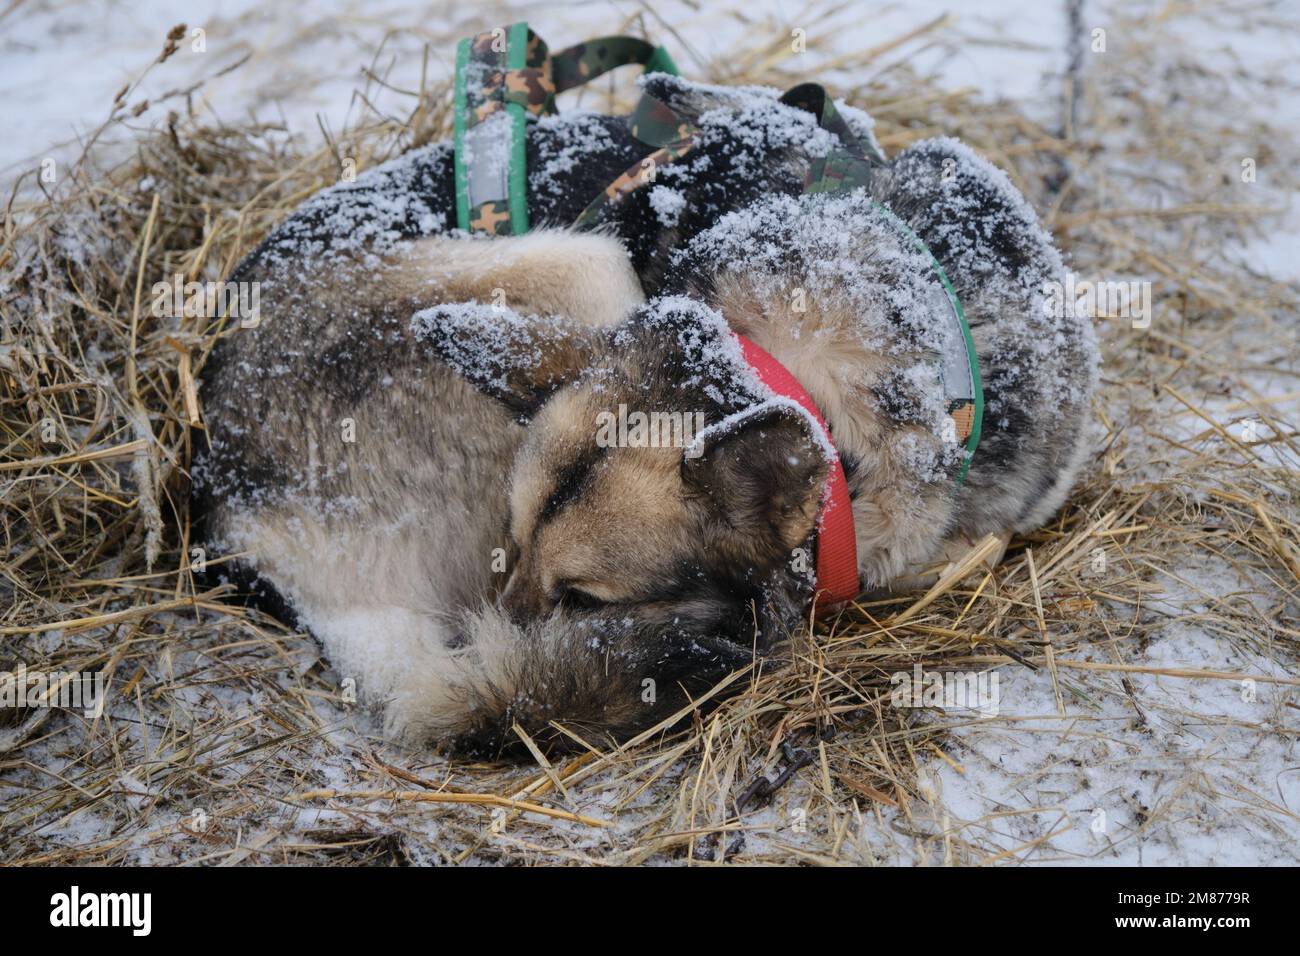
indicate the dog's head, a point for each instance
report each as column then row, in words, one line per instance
column 659, row 497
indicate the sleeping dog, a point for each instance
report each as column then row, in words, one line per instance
column 411, row 446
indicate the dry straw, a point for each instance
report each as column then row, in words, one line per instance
column 226, row 741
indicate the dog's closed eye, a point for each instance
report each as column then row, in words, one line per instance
column 576, row 599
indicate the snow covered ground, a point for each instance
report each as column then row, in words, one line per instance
column 62, row 63
column 1163, row 770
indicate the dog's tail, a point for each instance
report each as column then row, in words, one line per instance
column 561, row 681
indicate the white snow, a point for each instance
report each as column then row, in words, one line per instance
column 303, row 64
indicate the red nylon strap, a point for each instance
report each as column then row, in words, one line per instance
column 837, row 544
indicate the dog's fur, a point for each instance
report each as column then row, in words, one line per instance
column 602, row 587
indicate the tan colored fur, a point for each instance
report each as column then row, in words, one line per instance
column 376, row 588
column 583, row 277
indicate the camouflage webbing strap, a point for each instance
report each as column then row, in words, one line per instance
column 843, row 169
column 852, row 167
column 654, row 123
column 504, row 77
column 583, row 62
column 813, row 98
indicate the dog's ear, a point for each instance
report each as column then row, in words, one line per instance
column 518, row 360
column 690, row 100
column 763, row 474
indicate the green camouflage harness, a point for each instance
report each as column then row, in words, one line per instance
column 506, row 76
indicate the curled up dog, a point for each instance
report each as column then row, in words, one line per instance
column 549, row 477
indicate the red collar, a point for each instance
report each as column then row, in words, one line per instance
column 837, row 545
